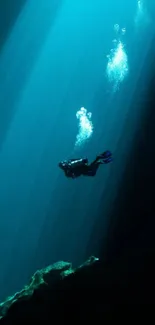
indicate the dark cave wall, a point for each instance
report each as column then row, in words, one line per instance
column 132, row 219
column 128, row 202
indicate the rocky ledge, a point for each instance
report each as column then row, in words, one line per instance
column 57, row 292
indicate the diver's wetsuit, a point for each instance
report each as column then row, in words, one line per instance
column 74, row 168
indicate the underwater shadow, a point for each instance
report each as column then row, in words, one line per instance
column 9, row 11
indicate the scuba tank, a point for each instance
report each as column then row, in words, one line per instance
column 77, row 163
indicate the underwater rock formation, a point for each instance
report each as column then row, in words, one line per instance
column 96, row 290
column 55, row 292
column 43, row 277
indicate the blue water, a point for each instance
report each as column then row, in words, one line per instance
column 55, row 58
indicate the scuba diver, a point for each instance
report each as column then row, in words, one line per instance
column 74, row 168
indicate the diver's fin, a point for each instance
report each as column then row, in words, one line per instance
column 107, row 160
column 105, row 154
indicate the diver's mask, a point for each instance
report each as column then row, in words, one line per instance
column 63, row 165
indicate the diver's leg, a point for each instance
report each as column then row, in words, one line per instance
column 93, row 167
column 97, row 161
column 104, row 158
column 90, row 170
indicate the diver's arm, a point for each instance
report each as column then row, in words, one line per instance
column 70, row 174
